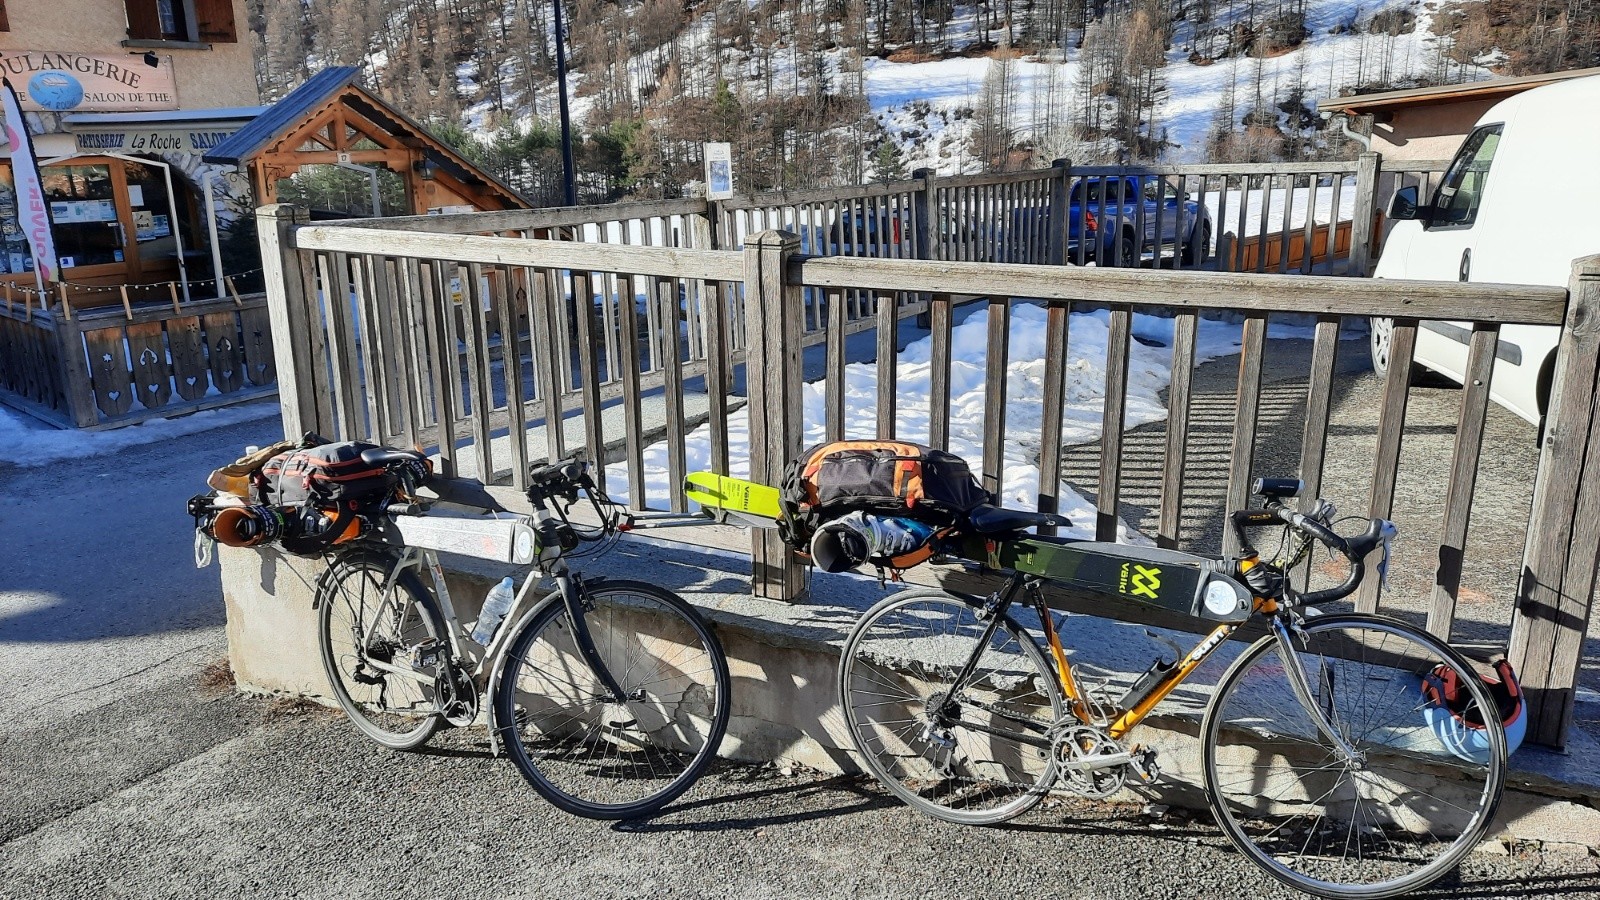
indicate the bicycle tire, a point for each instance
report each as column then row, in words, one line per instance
column 1268, row 769
column 576, row 752
column 351, row 592
column 944, row 769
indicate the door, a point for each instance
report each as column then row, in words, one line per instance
column 88, row 208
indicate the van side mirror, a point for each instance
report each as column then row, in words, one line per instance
column 1404, row 204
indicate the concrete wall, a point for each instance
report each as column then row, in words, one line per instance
column 783, row 659
column 222, row 76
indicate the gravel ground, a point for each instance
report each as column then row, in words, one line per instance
column 292, row 803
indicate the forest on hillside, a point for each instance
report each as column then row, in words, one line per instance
column 786, row 82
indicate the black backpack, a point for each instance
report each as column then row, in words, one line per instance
column 330, row 473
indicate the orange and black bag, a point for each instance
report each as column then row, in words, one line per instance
column 895, row 478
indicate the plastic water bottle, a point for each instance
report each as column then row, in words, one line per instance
column 495, row 606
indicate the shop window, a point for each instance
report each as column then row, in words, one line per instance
column 15, row 257
column 182, row 20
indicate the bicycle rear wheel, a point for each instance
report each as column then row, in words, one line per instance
column 595, row 757
column 977, row 753
column 1395, row 818
column 364, row 635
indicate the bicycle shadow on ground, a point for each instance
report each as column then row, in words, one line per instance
column 856, row 797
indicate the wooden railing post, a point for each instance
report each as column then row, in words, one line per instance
column 925, row 213
column 290, row 283
column 1365, row 211
column 75, row 378
column 1558, row 567
column 773, row 316
column 1059, row 225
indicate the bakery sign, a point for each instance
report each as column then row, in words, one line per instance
column 51, row 81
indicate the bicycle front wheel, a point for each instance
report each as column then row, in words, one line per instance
column 976, row 753
column 1394, row 815
column 369, row 636
column 603, row 757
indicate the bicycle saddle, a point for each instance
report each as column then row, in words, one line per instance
column 383, row 457
column 999, row 520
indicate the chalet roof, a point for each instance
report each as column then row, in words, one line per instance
column 280, row 123
column 1492, row 89
column 280, row 117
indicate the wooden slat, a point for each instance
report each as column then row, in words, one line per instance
column 1463, row 478
column 110, row 374
column 1051, row 410
column 719, row 370
column 410, row 340
column 190, row 374
column 1288, row 218
column 1112, row 421
column 398, row 369
column 833, row 399
column 152, row 376
column 480, row 376
column 527, row 219
column 1319, row 397
column 1241, row 456
column 672, row 391
column 939, row 328
column 341, row 352
column 1318, row 294
column 370, row 344
column 888, row 350
column 1386, row 456
column 547, row 297
column 633, row 428
column 994, row 396
column 222, row 351
column 439, row 319
column 505, row 312
column 594, row 430
column 1185, row 326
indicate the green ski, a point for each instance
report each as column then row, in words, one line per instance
column 754, row 504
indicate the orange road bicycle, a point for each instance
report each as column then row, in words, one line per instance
column 1319, row 761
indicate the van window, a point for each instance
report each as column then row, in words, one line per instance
column 1455, row 203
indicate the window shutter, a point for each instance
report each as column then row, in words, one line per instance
column 144, row 20
column 216, row 21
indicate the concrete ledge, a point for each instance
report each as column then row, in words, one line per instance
column 783, row 659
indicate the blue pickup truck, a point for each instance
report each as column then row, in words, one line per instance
column 1152, row 219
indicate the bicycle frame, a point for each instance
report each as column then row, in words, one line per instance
column 1125, row 720
column 491, row 664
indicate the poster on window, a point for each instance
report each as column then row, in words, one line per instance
column 33, row 213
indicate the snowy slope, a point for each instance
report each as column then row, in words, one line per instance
column 946, row 89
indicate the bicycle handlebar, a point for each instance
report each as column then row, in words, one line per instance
column 1354, row 548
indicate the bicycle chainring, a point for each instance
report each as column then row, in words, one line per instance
column 458, row 697
column 1076, row 748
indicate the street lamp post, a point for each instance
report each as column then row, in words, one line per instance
column 568, row 170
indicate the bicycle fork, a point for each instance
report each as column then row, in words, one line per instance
column 1301, row 685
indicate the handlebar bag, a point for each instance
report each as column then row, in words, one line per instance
column 883, row 477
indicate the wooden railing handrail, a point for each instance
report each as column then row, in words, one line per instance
column 823, row 195
column 667, row 262
column 1500, row 303
column 531, row 219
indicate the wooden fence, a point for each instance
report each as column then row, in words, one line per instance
column 111, row 366
column 462, row 340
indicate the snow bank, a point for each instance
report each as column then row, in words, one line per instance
column 32, row 443
column 1149, row 372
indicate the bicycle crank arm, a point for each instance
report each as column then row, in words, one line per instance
column 1109, row 761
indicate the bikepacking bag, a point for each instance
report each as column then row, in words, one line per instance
column 896, row 478
column 327, row 473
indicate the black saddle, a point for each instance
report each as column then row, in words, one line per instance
column 990, row 520
column 384, row 457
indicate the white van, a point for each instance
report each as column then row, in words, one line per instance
column 1520, row 202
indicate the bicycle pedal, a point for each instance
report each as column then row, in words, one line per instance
column 426, row 655
column 1144, row 766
